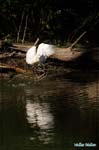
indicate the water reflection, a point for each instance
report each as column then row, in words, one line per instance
column 50, row 114
column 40, row 117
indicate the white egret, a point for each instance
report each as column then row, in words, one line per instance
column 39, row 54
column 31, row 56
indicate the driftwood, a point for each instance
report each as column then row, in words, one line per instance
column 70, row 53
column 14, row 54
column 10, row 68
column 21, row 49
column 65, row 54
column 6, row 55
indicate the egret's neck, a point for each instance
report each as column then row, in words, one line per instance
column 36, row 48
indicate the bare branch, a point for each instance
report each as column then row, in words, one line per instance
column 24, row 34
column 18, row 34
column 75, row 42
column 10, row 68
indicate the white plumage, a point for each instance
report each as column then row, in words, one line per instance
column 31, row 55
column 40, row 54
column 45, row 50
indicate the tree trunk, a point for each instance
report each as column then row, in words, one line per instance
column 24, row 34
column 18, row 34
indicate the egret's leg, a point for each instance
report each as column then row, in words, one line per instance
column 41, row 71
column 34, row 69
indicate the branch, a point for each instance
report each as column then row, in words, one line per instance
column 10, row 68
column 18, row 34
column 75, row 42
column 6, row 55
column 24, row 34
column 19, row 49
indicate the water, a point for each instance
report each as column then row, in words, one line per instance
column 50, row 114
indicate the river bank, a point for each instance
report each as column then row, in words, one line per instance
column 12, row 62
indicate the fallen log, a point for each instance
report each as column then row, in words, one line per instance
column 6, row 55
column 19, row 49
column 69, row 53
column 10, row 68
column 66, row 54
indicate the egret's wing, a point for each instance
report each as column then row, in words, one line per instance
column 45, row 50
column 30, row 55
